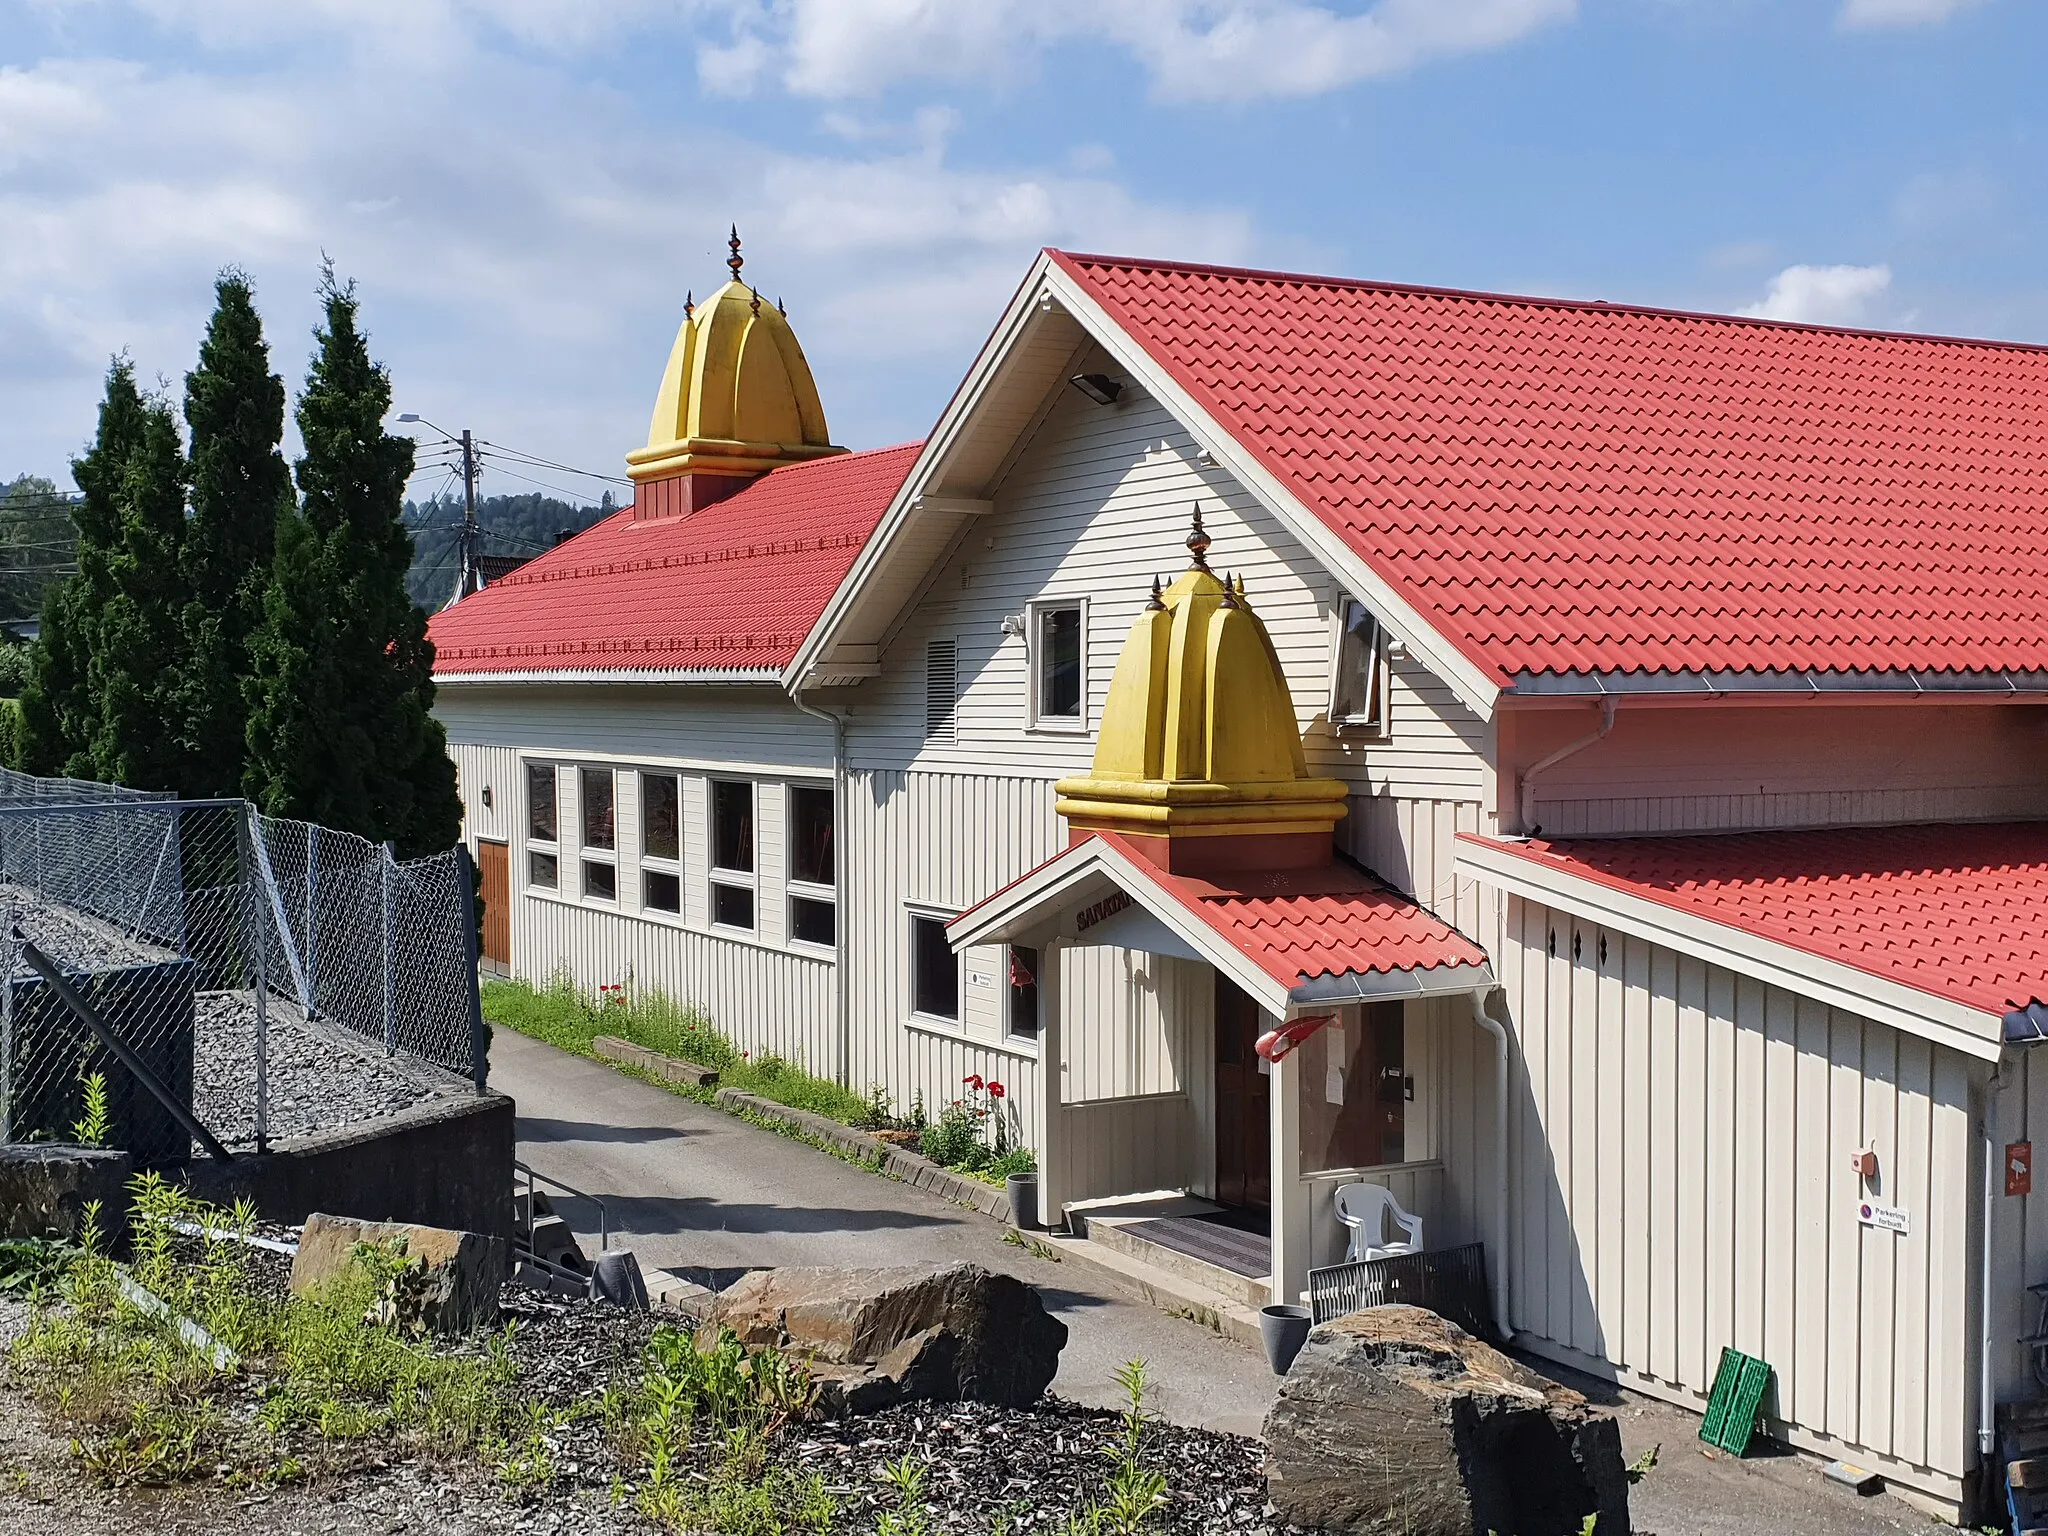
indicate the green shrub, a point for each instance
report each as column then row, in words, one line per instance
column 952, row 1139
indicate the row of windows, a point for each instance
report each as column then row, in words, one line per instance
column 730, row 840
column 1056, row 635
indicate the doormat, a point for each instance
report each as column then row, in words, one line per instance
column 1249, row 1254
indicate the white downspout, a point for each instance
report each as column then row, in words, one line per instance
column 1987, row 1388
column 1503, row 1318
column 1542, row 764
column 841, row 1022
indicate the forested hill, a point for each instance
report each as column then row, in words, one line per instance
column 513, row 525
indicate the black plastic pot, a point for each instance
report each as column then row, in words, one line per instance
column 1022, row 1188
column 1285, row 1330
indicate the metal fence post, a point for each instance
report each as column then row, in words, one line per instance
column 312, row 956
column 465, row 911
column 386, row 864
column 252, row 908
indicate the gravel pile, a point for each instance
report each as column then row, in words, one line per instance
column 320, row 1079
column 76, row 940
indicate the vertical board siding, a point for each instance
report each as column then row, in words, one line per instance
column 1685, row 1184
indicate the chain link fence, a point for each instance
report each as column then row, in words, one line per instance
column 271, row 978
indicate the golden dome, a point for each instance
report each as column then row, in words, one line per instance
column 737, row 397
column 1198, row 736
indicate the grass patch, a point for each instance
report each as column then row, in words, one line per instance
column 564, row 1017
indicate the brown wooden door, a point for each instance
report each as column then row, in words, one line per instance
column 493, row 863
column 1244, row 1141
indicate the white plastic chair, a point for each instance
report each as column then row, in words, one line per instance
column 1364, row 1208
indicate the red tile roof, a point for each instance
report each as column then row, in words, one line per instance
column 734, row 587
column 1957, row 911
column 1570, row 487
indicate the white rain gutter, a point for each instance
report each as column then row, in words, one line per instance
column 1543, row 764
column 1502, row 1317
column 842, row 1025
column 1987, row 1387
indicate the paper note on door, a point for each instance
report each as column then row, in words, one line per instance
column 1333, row 1085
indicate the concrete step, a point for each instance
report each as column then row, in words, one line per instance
column 1115, row 1232
column 1170, row 1291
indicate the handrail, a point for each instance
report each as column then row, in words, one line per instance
column 604, row 1224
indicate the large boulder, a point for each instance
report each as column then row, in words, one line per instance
column 880, row 1336
column 447, row 1283
column 44, row 1190
column 1394, row 1420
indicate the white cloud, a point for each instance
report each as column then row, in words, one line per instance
column 1194, row 50
column 1869, row 14
column 522, row 239
column 1840, row 295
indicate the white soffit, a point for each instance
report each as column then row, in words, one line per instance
column 1938, row 1019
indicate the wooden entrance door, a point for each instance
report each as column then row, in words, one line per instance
column 493, row 864
column 1244, row 1141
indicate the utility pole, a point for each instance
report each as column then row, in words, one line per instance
column 471, row 577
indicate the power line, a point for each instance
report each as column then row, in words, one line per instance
column 540, row 463
column 559, row 490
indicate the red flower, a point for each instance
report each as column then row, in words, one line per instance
column 995, row 1090
column 973, row 1080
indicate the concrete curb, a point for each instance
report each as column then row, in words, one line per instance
column 673, row 1068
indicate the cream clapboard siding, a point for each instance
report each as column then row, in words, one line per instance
column 1681, row 1181
column 1811, row 764
column 2020, row 1225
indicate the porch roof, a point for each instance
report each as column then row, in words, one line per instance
column 1332, row 933
column 1941, row 929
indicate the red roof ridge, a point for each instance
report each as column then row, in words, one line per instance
column 1531, row 300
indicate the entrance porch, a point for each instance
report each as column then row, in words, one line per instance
column 1223, row 1058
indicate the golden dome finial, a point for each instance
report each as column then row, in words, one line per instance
column 1198, row 541
column 690, row 304
column 735, row 261
column 1152, row 603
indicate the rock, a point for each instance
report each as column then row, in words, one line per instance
column 882, row 1336
column 44, row 1190
column 1395, row 1420
column 453, row 1279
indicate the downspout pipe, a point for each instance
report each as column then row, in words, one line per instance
column 1503, row 1317
column 1987, row 1386
column 1542, row 765
column 842, row 1023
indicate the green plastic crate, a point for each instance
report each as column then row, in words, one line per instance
column 1736, row 1401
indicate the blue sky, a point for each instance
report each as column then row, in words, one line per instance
column 524, row 189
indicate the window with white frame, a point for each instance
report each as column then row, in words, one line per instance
column 597, row 791
column 543, row 863
column 661, row 843
column 1358, row 673
column 813, row 909
column 1059, row 677
column 934, row 970
column 732, row 853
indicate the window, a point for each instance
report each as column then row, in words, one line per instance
column 661, row 820
column 813, row 918
column 1358, row 676
column 813, row 922
column 661, row 891
column 1355, row 1090
column 732, row 826
column 599, row 822
column 732, row 906
column 941, row 688
column 732, row 853
column 810, row 835
column 1022, row 1021
column 934, row 970
column 601, row 880
column 1056, row 671
column 542, row 868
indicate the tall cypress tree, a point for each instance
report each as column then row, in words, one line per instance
column 340, row 729
column 234, row 408
column 59, row 715
column 132, row 672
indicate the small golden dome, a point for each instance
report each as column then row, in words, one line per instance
column 737, row 397
column 1198, row 736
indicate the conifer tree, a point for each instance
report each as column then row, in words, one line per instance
column 132, row 673
column 58, row 712
column 234, row 409
column 339, row 724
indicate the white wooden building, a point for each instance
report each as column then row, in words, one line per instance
column 1674, row 672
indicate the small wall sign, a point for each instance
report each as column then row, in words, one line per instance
column 1101, row 911
column 2019, row 1168
column 1887, row 1218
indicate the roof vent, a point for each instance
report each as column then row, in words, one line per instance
column 941, row 688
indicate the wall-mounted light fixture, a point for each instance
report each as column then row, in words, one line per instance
column 1397, row 648
column 1099, row 387
column 1013, row 625
column 487, row 797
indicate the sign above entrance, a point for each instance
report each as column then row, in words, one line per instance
column 1099, row 911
